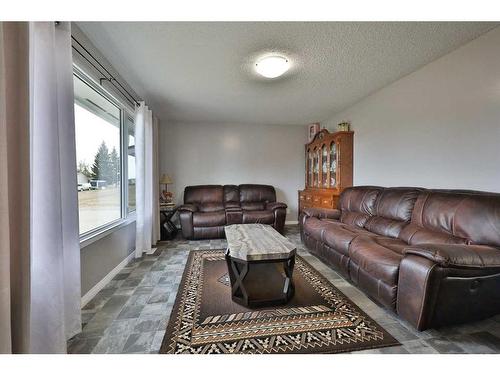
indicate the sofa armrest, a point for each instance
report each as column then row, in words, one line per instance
column 457, row 256
column 322, row 213
column 233, row 209
column 436, row 281
column 188, row 207
column 275, row 205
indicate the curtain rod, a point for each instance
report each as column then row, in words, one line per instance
column 126, row 94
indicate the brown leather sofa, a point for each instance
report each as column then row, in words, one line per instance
column 208, row 208
column 432, row 256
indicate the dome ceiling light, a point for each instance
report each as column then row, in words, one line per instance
column 272, row 66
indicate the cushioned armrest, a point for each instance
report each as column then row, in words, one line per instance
column 233, row 209
column 232, row 205
column 275, row 205
column 461, row 256
column 322, row 213
column 188, row 207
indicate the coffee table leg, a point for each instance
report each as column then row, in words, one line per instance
column 237, row 276
column 289, row 288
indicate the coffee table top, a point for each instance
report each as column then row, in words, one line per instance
column 253, row 242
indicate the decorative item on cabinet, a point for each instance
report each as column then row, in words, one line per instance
column 329, row 161
column 343, row 126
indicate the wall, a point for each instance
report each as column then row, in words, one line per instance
column 437, row 127
column 194, row 154
column 102, row 256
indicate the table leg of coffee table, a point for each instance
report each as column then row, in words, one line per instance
column 289, row 288
column 237, row 273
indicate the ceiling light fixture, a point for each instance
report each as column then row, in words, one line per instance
column 272, row 66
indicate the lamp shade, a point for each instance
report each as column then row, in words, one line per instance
column 165, row 179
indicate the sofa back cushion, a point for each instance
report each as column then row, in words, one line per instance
column 392, row 211
column 231, row 196
column 455, row 216
column 255, row 197
column 357, row 204
column 208, row 198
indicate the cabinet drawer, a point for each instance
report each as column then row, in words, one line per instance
column 326, row 202
column 308, row 198
column 316, row 199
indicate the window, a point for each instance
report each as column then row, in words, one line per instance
column 130, row 129
column 100, row 157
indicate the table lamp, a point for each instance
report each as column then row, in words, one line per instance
column 166, row 196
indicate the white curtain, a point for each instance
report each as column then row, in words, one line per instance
column 14, row 188
column 156, row 184
column 55, row 248
column 39, row 248
column 145, row 165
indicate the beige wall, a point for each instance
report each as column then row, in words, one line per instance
column 437, row 127
column 194, row 154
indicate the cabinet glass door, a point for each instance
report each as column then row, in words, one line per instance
column 316, row 167
column 333, row 164
column 324, row 166
column 309, row 168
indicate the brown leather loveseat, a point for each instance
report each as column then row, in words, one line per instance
column 208, row 208
column 432, row 256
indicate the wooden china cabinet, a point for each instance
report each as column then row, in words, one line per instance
column 328, row 169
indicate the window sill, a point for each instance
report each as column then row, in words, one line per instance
column 90, row 238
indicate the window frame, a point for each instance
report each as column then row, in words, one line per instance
column 126, row 217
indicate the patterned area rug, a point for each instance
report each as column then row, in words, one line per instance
column 318, row 319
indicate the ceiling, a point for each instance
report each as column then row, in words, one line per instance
column 202, row 72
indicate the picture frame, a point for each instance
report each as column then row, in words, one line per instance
column 312, row 130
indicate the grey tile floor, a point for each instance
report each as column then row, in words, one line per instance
column 131, row 314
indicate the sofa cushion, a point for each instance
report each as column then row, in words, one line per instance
column 414, row 235
column 257, row 193
column 470, row 215
column 393, row 244
column 358, row 219
column 396, row 203
column 231, row 195
column 203, row 194
column 375, row 259
column 262, row 217
column 209, row 219
column 339, row 235
column 357, row 204
column 385, row 227
column 392, row 211
column 315, row 227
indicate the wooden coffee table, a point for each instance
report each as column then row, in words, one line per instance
column 260, row 265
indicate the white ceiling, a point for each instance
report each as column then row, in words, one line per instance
column 202, row 72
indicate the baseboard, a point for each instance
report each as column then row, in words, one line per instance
column 106, row 279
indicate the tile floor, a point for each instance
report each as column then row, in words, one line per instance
column 131, row 314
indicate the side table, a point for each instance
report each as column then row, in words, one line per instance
column 167, row 229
